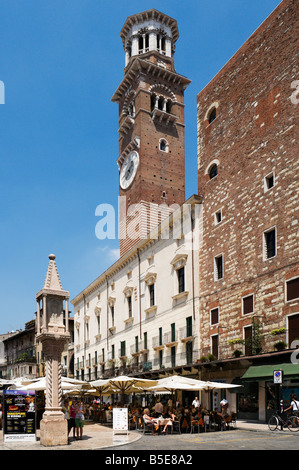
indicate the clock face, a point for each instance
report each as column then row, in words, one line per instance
column 128, row 170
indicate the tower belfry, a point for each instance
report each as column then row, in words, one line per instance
column 151, row 129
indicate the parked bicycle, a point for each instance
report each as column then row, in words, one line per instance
column 291, row 422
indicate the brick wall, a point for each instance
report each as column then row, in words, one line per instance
column 254, row 135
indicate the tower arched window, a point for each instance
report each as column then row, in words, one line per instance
column 163, row 145
column 212, row 115
column 213, row 171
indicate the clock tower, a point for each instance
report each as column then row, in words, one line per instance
column 151, row 158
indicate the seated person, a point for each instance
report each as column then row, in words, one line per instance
column 198, row 419
column 149, row 421
column 218, row 417
column 226, row 411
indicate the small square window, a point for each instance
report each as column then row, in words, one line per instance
column 292, row 289
column 218, row 267
column 247, row 304
column 269, row 244
column 218, row 217
column 269, row 181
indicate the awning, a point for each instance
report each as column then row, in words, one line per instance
column 259, row 373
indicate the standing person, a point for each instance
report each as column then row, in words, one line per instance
column 159, row 408
column 195, row 402
column 72, row 421
column 79, row 420
column 294, row 405
column 1, row 418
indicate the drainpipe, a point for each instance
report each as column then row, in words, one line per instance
column 107, row 313
column 139, row 292
column 192, row 258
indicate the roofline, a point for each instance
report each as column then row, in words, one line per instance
column 240, row 51
column 147, row 15
column 133, row 252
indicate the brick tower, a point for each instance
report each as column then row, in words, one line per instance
column 151, row 158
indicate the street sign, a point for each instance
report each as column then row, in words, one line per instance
column 277, row 376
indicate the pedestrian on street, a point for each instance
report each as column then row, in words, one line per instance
column 195, row 402
column 79, row 420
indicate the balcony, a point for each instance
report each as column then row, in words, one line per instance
column 185, row 334
column 157, row 343
column 170, row 339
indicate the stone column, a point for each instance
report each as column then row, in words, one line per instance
column 53, row 426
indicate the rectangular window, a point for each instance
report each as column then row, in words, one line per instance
column 122, row 348
column 218, row 217
column 160, row 358
column 218, row 267
column 248, row 340
column 269, row 244
column 130, row 306
column 189, row 352
column 189, row 326
column 215, row 342
column 293, row 321
column 247, row 304
column 136, row 343
column 112, row 315
column 160, row 337
column 145, row 340
column 172, row 326
column 292, row 289
column 181, row 279
column 269, row 181
column 214, row 316
column 173, row 356
column 152, row 294
column 112, row 352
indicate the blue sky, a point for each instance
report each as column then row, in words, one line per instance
column 61, row 61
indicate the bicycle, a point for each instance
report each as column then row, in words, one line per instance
column 291, row 422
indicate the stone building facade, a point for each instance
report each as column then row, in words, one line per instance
column 248, row 176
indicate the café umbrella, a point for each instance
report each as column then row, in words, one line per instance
column 124, row 384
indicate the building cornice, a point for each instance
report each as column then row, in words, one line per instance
column 139, row 65
column 152, row 238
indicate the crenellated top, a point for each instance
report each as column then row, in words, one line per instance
column 149, row 31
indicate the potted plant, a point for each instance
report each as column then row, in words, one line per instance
column 280, row 345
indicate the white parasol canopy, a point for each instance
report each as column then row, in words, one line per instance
column 39, row 385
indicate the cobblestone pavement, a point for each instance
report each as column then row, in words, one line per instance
column 248, row 436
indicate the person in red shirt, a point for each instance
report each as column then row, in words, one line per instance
column 72, row 423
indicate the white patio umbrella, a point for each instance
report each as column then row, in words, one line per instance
column 125, row 384
column 177, row 382
column 41, row 385
column 207, row 385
